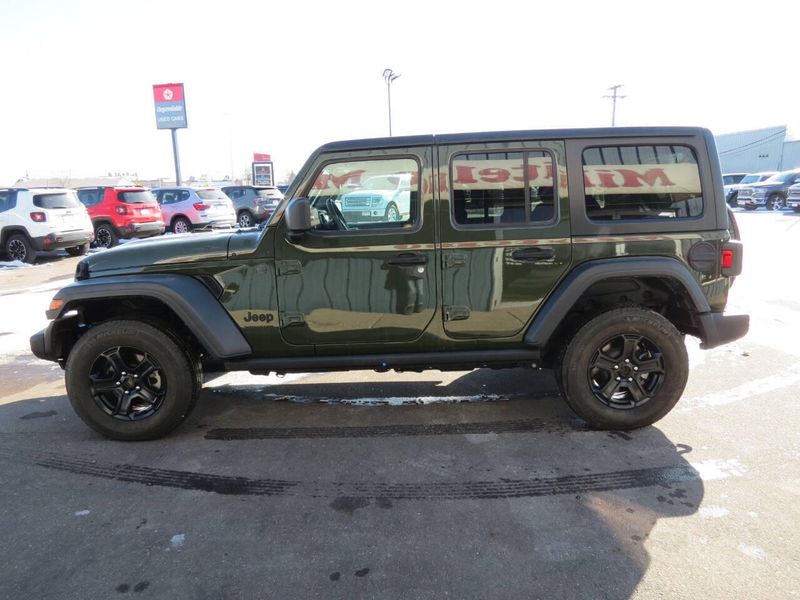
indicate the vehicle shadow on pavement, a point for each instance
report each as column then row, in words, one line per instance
column 486, row 498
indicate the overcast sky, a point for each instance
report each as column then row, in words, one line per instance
column 285, row 77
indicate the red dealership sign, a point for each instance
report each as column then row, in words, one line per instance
column 258, row 157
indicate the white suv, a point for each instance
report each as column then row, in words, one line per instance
column 38, row 219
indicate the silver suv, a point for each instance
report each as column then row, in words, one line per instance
column 186, row 208
column 253, row 204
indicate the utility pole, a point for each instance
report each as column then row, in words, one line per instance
column 389, row 76
column 614, row 97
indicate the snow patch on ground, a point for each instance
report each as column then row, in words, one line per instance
column 752, row 551
column 13, row 264
column 713, row 469
column 758, row 387
column 713, row 512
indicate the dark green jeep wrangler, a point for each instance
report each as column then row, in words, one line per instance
column 591, row 252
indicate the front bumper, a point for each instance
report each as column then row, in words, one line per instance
column 58, row 241
column 717, row 329
column 751, row 201
column 48, row 344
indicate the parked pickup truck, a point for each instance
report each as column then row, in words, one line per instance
column 771, row 193
column 591, row 252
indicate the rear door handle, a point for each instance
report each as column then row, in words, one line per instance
column 533, row 254
column 407, row 259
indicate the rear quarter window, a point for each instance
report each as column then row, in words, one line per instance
column 641, row 183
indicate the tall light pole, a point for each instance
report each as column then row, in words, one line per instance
column 389, row 76
column 614, row 97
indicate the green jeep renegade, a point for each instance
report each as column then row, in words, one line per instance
column 591, row 252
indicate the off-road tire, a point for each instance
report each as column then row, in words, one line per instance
column 177, row 366
column 78, row 250
column 583, row 350
column 19, row 248
column 105, row 236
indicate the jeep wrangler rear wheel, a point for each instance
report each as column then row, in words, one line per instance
column 128, row 380
column 624, row 369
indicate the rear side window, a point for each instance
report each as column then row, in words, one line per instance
column 211, row 195
column 143, row 197
column 641, row 182
column 60, row 200
column 168, row 197
column 90, row 197
column 8, row 200
column 502, row 188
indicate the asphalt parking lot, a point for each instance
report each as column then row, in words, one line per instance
column 474, row 484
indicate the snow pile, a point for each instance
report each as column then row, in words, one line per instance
column 13, row 264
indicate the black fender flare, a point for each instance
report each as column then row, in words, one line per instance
column 714, row 328
column 189, row 298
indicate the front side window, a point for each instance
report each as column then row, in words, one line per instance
column 366, row 194
column 641, row 182
column 502, row 188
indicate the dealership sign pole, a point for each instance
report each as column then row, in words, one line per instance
column 171, row 114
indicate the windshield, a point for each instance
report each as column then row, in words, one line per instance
column 780, row 177
column 143, row 197
column 751, row 179
column 211, row 195
column 384, row 182
column 59, row 200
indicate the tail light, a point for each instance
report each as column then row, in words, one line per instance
column 122, row 210
column 731, row 258
column 200, row 206
column 39, row 217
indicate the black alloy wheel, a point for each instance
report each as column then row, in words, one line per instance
column 626, row 371
column 127, row 383
column 18, row 248
column 132, row 380
column 623, row 369
column 105, row 237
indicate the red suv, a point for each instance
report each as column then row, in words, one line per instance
column 116, row 212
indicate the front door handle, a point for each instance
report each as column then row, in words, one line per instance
column 533, row 254
column 407, row 259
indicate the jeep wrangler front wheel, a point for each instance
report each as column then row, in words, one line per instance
column 624, row 369
column 130, row 381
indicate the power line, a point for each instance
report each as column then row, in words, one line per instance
column 763, row 140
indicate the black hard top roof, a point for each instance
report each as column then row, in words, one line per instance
column 505, row 136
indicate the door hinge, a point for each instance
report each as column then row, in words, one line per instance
column 456, row 313
column 452, row 261
column 291, row 318
column 288, row 267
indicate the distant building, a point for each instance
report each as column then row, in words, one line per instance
column 74, row 182
column 758, row 150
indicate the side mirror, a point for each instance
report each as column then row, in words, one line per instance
column 297, row 217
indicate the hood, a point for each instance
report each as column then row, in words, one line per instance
column 768, row 184
column 170, row 249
